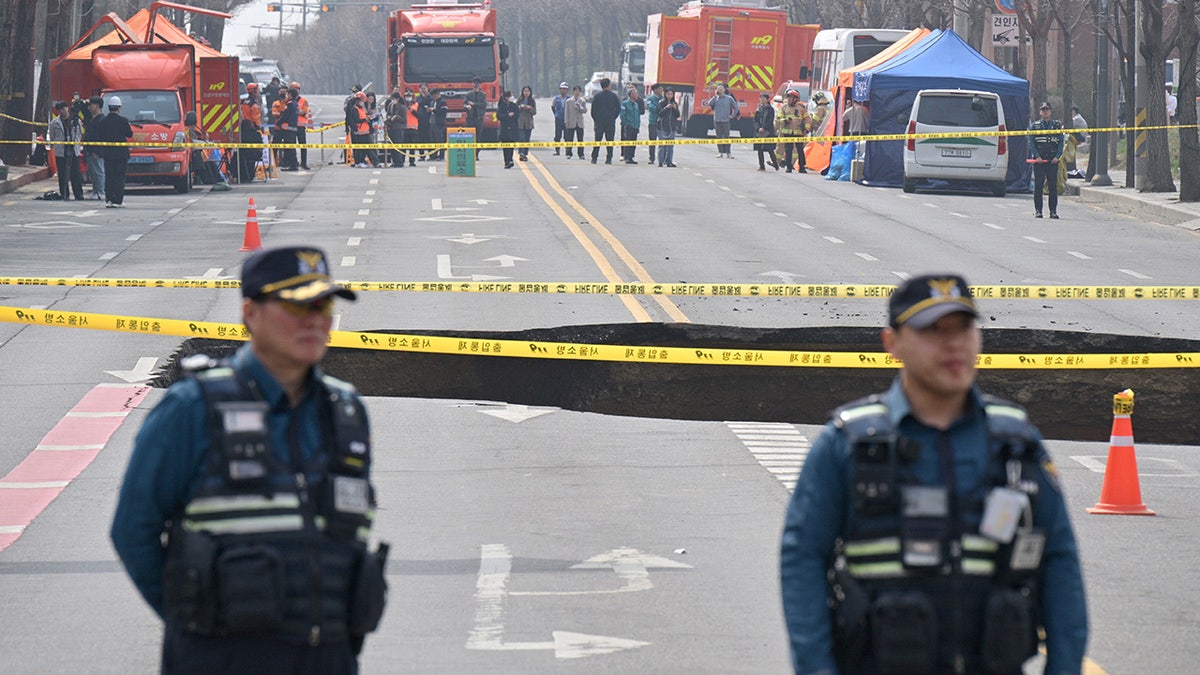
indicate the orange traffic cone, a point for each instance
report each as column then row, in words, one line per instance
column 251, row 240
column 1121, row 494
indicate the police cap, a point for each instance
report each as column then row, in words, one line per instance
column 922, row 300
column 298, row 274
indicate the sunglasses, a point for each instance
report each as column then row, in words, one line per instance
column 324, row 307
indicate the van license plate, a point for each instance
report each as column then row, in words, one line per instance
column 146, row 159
column 956, row 152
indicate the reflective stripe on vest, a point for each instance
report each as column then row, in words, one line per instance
column 244, row 514
column 881, row 558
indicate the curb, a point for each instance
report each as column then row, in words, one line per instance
column 1128, row 200
column 24, row 179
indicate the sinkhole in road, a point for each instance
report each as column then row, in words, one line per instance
column 1067, row 404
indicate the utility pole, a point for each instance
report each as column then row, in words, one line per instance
column 1099, row 141
column 1141, row 137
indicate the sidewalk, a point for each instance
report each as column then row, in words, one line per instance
column 1159, row 207
column 19, row 176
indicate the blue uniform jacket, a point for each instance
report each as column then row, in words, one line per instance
column 168, row 463
column 631, row 112
column 1048, row 145
column 820, row 509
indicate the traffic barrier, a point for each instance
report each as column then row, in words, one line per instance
column 250, row 239
column 1121, row 494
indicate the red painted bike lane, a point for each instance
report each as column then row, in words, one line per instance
column 63, row 454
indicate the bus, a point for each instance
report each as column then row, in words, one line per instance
column 836, row 49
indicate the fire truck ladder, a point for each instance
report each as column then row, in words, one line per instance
column 720, row 50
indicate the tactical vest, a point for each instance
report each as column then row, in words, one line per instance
column 1047, row 145
column 938, row 596
column 259, row 550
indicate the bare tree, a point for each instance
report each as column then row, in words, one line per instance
column 1154, row 47
column 16, row 77
column 1189, row 138
column 1069, row 15
column 1036, row 17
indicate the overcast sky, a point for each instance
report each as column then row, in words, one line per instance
column 240, row 31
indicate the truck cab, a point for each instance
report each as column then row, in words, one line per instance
column 156, row 116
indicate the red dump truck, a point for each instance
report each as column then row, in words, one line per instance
column 446, row 46
column 745, row 44
column 160, row 74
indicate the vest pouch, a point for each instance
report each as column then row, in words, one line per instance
column 370, row 592
column 189, row 586
column 1009, row 633
column 250, row 588
column 904, row 634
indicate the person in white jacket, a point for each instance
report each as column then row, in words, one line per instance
column 65, row 134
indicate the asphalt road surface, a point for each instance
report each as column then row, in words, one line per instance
column 537, row 539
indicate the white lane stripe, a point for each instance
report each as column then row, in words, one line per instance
column 1135, row 275
column 110, row 255
column 69, row 448
column 354, row 241
column 1034, row 239
column 360, row 225
column 115, row 413
column 867, row 256
column 803, row 226
column 1079, row 255
column 994, row 226
column 364, row 212
column 779, row 448
column 12, row 529
column 33, row 486
column 780, row 214
column 956, row 213
column 833, row 240
column 133, row 237
column 348, row 261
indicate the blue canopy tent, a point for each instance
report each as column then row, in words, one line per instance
column 940, row 61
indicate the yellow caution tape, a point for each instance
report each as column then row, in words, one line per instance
column 823, row 291
column 735, row 140
column 537, row 349
column 18, row 119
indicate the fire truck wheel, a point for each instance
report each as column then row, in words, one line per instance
column 183, row 184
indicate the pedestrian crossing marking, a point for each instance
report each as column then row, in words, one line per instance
column 778, row 447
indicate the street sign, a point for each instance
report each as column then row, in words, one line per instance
column 460, row 161
column 1006, row 30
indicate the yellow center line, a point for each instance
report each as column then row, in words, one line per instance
column 634, row 266
column 639, row 313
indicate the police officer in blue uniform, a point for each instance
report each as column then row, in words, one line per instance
column 256, row 474
column 1045, row 152
column 928, row 532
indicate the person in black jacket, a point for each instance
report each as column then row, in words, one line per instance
column 285, row 132
column 764, row 123
column 114, row 128
column 507, row 113
column 606, row 108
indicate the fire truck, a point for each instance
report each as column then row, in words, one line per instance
column 445, row 45
column 160, row 74
column 745, row 44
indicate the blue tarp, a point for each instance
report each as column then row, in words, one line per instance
column 942, row 60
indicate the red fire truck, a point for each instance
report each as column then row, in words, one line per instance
column 446, row 45
column 745, row 44
column 160, row 74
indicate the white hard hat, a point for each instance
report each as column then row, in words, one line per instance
column 564, row 85
column 114, row 102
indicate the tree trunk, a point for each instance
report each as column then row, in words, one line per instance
column 1158, row 151
column 16, row 78
column 1189, row 138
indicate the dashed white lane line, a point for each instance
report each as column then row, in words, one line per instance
column 779, row 214
column 373, row 181
column 994, row 226
column 833, row 240
column 110, row 255
column 1081, row 256
column 779, row 448
column 371, row 193
column 931, row 205
column 725, row 187
column 368, row 200
column 360, row 225
column 803, row 226
column 1034, row 239
column 364, row 212
column 960, row 215
column 348, row 261
column 133, row 237
column 1135, row 275
column 354, row 241
column 867, row 256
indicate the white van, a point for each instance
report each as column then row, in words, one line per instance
column 982, row 158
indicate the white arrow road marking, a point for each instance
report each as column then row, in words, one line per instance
column 261, row 221
column 437, row 206
column 514, row 413
column 491, row 593
column 446, row 271
column 77, row 214
column 464, row 218
column 53, row 225
column 466, row 238
column 785, row 277
column 481, row 201
column 506, row 260
column 211, row 273
column 632, row 568
column 140, row 373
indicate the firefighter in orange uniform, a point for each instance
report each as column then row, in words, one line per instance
column 249, row 131
column 306, row 121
